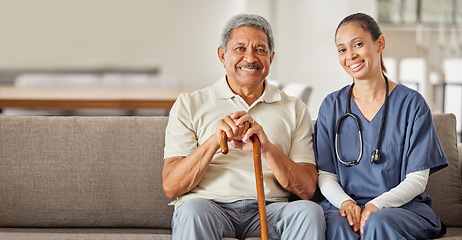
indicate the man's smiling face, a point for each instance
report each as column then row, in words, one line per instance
column 247, row 58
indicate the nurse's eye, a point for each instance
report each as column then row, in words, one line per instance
column 341, row 50
column 358, row 44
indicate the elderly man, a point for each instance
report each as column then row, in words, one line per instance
column 215, row 194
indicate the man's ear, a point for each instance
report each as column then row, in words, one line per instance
column 381, row 43
column 272, row 57
column 221, row 55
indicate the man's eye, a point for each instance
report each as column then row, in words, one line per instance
column 239, row 49
column 261, row 50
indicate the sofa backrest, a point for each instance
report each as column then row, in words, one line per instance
column 82, row 172
column 106, row 172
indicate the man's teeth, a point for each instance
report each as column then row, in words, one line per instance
column 249, row 69
column 355, row 65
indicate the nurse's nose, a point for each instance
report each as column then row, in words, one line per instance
column 352, row 56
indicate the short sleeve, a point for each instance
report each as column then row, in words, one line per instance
column 323, row 142
column 424, row 147
column 180, row 137
column 301, row 149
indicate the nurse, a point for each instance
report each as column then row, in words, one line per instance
column 375, row 162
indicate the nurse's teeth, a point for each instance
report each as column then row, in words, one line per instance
column 355, row 65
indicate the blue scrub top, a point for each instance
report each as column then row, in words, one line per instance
column 409, row 144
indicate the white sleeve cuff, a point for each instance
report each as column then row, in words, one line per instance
column 413, row 185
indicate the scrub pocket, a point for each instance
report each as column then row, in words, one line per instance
column 392, row 161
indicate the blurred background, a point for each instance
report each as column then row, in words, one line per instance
column 178, row 39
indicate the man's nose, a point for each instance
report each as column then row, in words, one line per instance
column 250, row 56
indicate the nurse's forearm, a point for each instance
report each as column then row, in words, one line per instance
column 297, row 178
column 413, row 185
column 331, row 189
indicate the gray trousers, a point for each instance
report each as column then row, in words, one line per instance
column 204, row 219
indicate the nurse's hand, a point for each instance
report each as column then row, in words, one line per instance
column 365, row 214
column 352, row 212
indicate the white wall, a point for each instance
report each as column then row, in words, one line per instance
column 179, row 36
column 306, row 52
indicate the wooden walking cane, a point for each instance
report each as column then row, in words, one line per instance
column 258, row 178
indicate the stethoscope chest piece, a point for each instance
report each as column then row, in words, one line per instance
column 375, row 158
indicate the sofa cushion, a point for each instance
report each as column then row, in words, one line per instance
column 83, row 172
column 84, row 234
column 444, row 186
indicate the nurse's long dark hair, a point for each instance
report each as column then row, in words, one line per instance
column 367, row 23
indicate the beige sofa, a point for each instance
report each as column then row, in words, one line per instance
column 100, row 178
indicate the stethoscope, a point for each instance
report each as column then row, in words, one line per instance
column 375, row 158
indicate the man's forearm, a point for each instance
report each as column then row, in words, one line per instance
column 297, row 178
column 181, row 174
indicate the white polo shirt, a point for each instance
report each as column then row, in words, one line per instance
column 194, row 117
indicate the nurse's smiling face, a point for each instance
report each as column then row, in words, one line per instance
column 358, row 53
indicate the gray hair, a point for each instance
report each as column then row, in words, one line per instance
column 249, row 20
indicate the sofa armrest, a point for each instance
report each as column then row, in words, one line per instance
column 459, row 148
